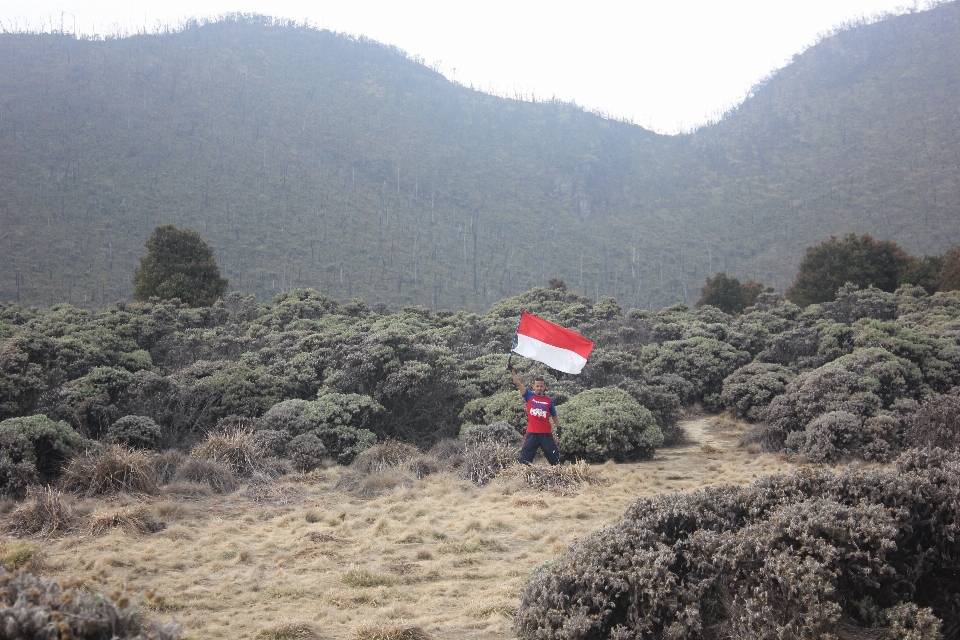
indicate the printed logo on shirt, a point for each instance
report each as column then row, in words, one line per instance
column 539, row 409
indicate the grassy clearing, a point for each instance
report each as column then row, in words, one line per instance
column 298, row 558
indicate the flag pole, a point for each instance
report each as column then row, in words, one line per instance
column 514, row 345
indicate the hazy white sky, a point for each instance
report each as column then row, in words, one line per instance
column 666, row 65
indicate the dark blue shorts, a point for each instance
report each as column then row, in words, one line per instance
column 544, row 441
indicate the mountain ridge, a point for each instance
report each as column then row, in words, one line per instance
column 309, row 159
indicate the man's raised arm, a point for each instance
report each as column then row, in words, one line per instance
column 516, row 381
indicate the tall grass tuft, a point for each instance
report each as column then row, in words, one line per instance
column 561, row 478
column 133, row 520
column 43, row 513
column 389, row 631
column 235, row 448
column 118, row 468
column 216, row 475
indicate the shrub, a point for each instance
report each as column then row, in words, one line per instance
column 43, row 513
column 216, row 475
column 704, row 362
column 603, row 424
column 828, row 437
column 449, row 453
column 89, row 403
column 501, row 432
column 921, row 346
column 272, row 443
column 339, row 420
column 139, row 432
column 402, row 363
column 21, row 376
column 16, row 477
column 861, row 383
column 663, row 404
column 682, row 389
column 881, row 436
column 853, row 303
column 805, row 555
column 38, row 608
column 749, row 389
column 305, row 452
column 607, row 367
column 181, row 407
column 935, row 424
column 17, row 468
column 505, row 407
column 117, row 468
column 52, row 443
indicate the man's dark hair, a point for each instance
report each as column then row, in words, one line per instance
column 540, row 378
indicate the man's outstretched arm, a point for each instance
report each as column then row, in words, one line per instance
column 516, row 381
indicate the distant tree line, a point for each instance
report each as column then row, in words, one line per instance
column 827, row 267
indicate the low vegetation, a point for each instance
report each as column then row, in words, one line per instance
column 132, row 413
column 808, row 554
column 375, row 545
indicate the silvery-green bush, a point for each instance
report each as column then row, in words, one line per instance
column 339, row 420
column 804, row 555
column 306, row 452
column 607, row 424
column 139, row 432
column 704, row 362
column 749, row 389
column 861, row 383
column 507, row 406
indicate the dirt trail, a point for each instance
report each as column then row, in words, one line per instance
column 699, row 432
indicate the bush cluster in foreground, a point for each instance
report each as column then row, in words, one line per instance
column 35, row 608
column 806, row 555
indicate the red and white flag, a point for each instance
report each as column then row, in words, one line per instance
column 554, row 346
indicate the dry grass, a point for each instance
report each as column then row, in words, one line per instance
column 44, row 513
column 165, row 465
column 438, row 555
column 233, row 448
column 564, row 478
column 117, row 469
column 482, row 462
column 290, row 631
column 389, row 631
column 134, row 520
column 216, row 475
column 385, row 456
column 21, row 555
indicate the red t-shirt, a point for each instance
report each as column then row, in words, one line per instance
column 539, row 410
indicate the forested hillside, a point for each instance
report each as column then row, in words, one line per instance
column 308, row 159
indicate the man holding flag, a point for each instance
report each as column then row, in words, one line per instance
column 540, row 411
column 559, row 349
